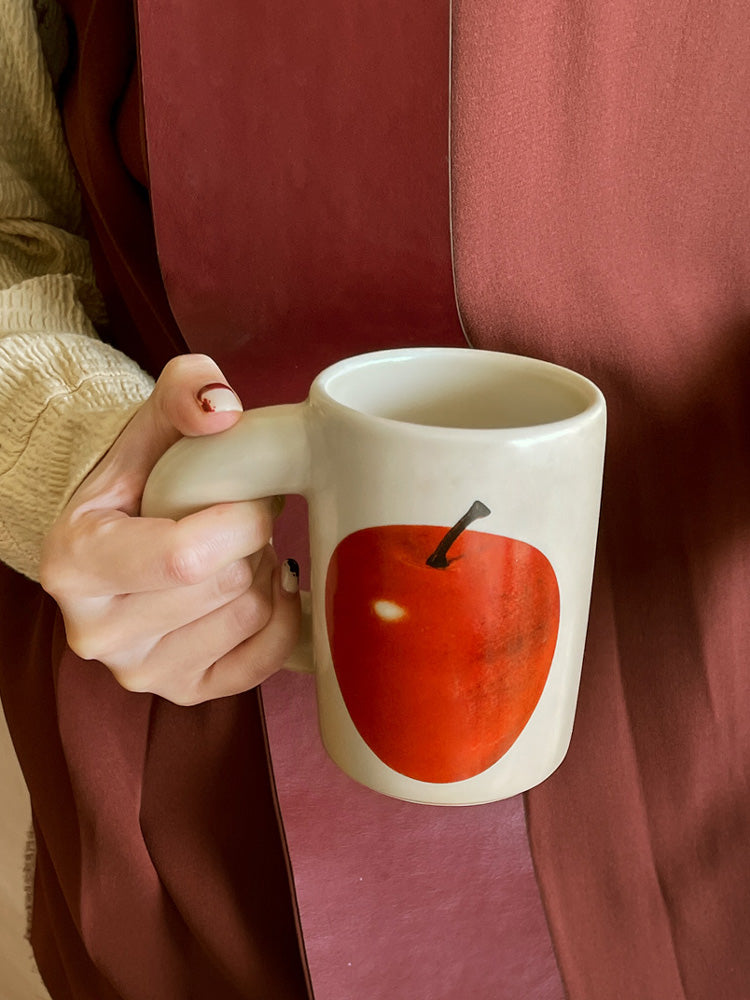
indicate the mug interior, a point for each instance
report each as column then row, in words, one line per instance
column 459, row 388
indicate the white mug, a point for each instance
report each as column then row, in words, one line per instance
column 453, row 504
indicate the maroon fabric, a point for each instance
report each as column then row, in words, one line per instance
column 600, row 195
column 100, row 94
column 309, row 219
column 160, row 870
column 161, row 866
column 320, row 200
column 601, row 165
column 398, row 900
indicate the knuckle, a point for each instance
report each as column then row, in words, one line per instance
column 51, row 576
column 95, row 641
column 235, row 579
column 185, row 567
column 135, row 683
column 55, row 572
column 84, row 643
column 184, row 366
column 185, row 699
column 262, row 666
column 177, row 365
column 251, row 612
column 139, row 677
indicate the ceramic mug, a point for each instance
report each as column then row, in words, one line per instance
column 453, row 500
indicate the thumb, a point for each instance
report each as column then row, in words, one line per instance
column 191, row 398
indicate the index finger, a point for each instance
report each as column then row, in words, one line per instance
column 119, row 554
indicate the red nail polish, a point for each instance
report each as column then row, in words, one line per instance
column 218, row 398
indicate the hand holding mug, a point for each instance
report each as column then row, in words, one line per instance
column 190, row 610
column 453, row 498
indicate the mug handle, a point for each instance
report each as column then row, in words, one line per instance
column 300, row 660
column 265, row 453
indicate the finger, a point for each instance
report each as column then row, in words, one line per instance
column 132, row 624
column 258, row 657
column 191, row 397
column 194, row 396
column 107, row 553
column 156, row 614
column 173, row 668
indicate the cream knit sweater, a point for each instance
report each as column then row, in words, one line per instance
column 64, row 395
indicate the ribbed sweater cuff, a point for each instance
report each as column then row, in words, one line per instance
column 64, row 399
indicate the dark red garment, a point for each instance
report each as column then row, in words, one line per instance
column 159, row 873
column 178, row 782
column 600, row 219
column 119, row 823
column 600, row 212
column 325, row 231
column 102, row 122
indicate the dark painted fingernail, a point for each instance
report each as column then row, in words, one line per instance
column 290, row 576
column 218, row 398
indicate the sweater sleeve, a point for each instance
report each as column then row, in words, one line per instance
column 64, row 394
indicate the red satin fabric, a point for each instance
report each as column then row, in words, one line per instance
column 161, row 866
column 320, row 200
column 402, row 900
column 600, row 219
column 298, row 170
column 602, row 207
column 158, row 873
column 102, row 123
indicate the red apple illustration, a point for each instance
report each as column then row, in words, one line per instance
column 441, row 642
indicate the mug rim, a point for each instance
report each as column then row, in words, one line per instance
column 595, row 405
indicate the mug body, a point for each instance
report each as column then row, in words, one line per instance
column 454, row 500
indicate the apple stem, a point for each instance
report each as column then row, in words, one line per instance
column 438, row 558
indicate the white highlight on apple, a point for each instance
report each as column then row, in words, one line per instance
column 389, row 611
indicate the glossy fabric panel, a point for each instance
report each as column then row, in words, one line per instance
column 117, row 212
column 398, row 899
column 602, row 222
column 143, row 812
column 319, row 197
column 298, row 165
